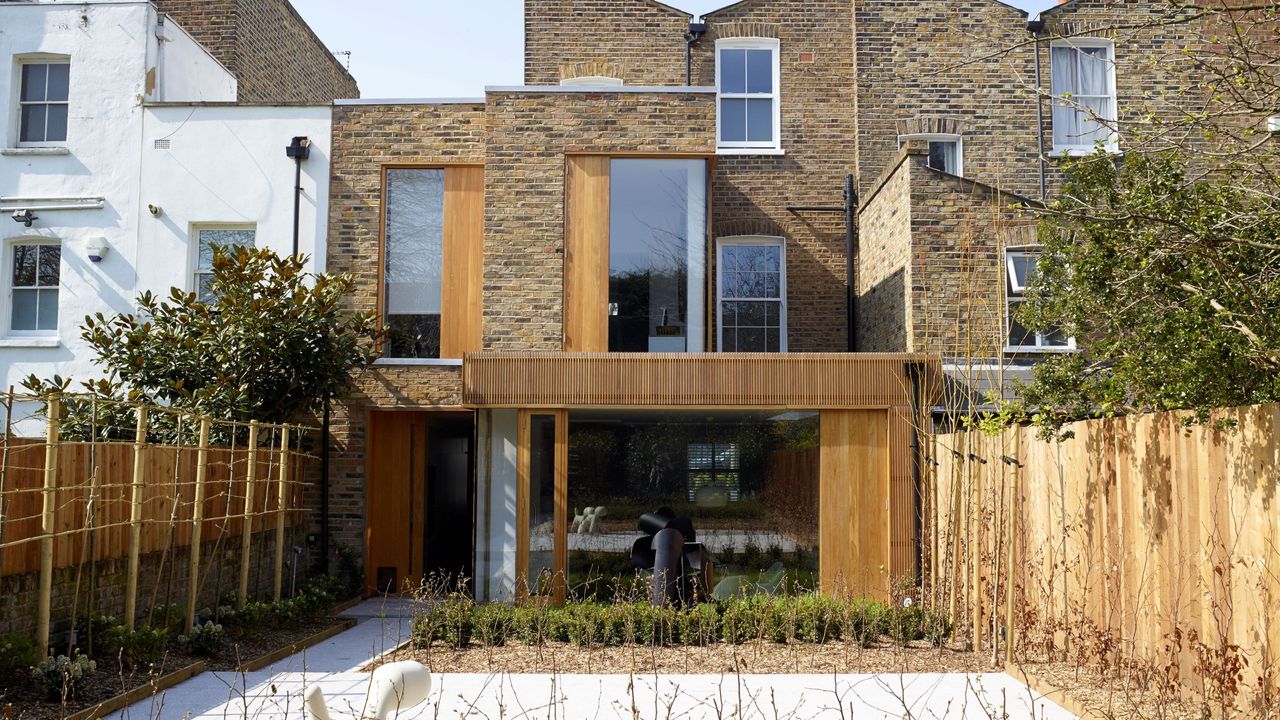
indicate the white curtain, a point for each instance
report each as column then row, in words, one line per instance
column 1085, row 74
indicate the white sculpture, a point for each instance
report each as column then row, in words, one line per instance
column 585, row 522
column 392, row 687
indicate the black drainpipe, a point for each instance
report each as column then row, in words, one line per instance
column 324, row 489
column 695, row 33
column 850, row 210
column 1035, row 27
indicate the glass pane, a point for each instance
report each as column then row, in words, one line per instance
column 34, row 81
column 412, row 336
column 733, row 71
column 24, row 264
column 774, row 339
column 47, row 310
column 943, row 155
column 752, row 285
column 24, row 309
column 542, row 508
column 752, row 314
column 1019, row 336
column 751, row 339
column 56, row 128
column 1093, row 74
column 33, row 117
column 50, row 259
column 414, row 261
column 1023, row 268
column 733, row 120
column 747, row 481
column 204, row 287
column 760, row 121
column 59, row 78
column 223, row 238
column 1056, row 338
column 760, row 71
column 657, row 246
column 1063, row 70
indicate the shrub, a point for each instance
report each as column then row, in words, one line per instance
column 143, row 645
column 208, row 639
column 743, row 620
column 62, row 677
column 651, row 625
column 819, row 619
column 17, row 654
column 699, row 625
column 168, row 615
column 447, row 621
column 867, row 621
column 533, row 625
column 493, row 624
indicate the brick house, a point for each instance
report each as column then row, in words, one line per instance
column 724, row 266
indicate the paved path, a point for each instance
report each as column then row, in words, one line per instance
column 275, row 693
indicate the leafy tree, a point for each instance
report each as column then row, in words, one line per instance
column 271, row 345
column 1170, row 281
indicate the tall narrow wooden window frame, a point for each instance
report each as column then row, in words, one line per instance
column 524, row 502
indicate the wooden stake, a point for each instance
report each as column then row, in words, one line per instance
column 135, row 517
column 246, row 530
column 1012, row 582
column 4, row 469
column 282, row 493
column 47, row 529
column 197, row 521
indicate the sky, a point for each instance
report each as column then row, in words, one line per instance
column 443, row 48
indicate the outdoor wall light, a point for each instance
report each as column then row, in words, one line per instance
column 26, row 217
column 96, row 249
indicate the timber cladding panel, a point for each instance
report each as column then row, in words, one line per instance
column 531, row 133
column 266, row 44
column 854, row 512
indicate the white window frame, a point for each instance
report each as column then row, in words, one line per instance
column 781, row 244
column 10, row 251
column 747, row 147
column 194, row 234
column 939, row 137
column 19, row 62
column 1014, row 295
column 1080, row 149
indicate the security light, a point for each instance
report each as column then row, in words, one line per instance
column 299, row 149
column 26, row 217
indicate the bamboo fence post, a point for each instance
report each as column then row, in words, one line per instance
column 197, row 520
column 1013, row 539
column 135, row 518
column 47, row 529
column 4, row 468
column 282, row 493
column 246, row 529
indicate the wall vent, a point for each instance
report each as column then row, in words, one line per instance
column 163, row 144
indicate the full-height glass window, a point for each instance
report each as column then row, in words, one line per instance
column 749, row 482
column 413, row 262
column 657, row 255
column 1084, row 89
column 34, row 288
column 42, row 102
column 542, row 509
column 753, row 292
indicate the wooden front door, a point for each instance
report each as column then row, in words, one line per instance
column 395, row 487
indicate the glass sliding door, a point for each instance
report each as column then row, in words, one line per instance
column 657, row 255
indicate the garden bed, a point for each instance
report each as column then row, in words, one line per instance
column 256, row 637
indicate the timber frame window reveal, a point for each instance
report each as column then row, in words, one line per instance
column 751, row 301
column 1020, row 270
column 413, row 262
column 34, row 279
column 1083, row 78
column 43, row 101
column 748, row 77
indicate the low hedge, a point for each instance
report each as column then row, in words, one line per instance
column 456, row 622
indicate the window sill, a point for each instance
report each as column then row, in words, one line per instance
column 750, row 151
column 35, row 151
column 30, row 342
column 1039, row 350
column 1081, row 151
column 416, row 362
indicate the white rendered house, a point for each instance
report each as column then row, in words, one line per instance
column 122, row 154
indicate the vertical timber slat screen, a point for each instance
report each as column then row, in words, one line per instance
column 1131, row 528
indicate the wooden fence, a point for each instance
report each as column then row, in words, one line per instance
column 67, row 503
column 1138, row 539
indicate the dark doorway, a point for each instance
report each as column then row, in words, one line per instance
column 450, row 495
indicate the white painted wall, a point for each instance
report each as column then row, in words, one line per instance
column 226, row 164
